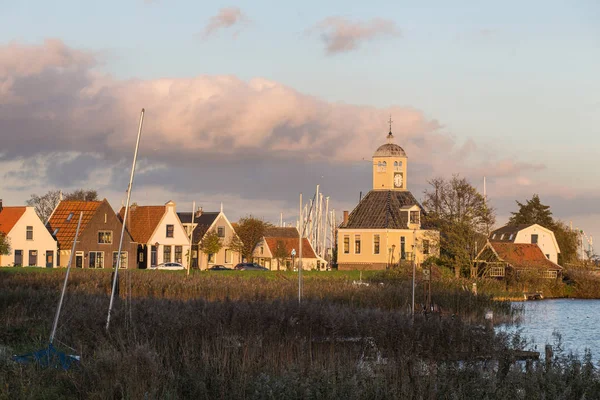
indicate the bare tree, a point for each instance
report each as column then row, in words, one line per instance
column 45, row 204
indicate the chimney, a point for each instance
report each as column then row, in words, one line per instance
column 0, row 204
column 345, row 217
column 198, row 212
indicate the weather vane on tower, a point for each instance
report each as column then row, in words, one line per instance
column 390, row 137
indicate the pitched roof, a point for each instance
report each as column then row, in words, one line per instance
column 280, row 232
column 142, row 221
column 380, row 209
column 523, row 255
column 63, row 222
column 290, row 244
column 202, row 222
column 9, row 216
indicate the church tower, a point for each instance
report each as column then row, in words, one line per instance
column 389, row 166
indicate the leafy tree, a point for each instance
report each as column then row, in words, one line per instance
column 4, row 244
column 211, row 243
column 45, row 204
column 532, row 212
column 280, row 253
column 535, row 212
column 462, row 216
column 250, row 231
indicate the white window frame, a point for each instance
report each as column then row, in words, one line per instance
column 105, row 232
column 27, row 230
column 357, row 239
column 344, row 244
column 378, row 244
column 124, row 259
column 95, row 259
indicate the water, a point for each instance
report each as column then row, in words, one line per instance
column 577, row 321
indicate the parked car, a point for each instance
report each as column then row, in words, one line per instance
column 250, row 267
column 219, row 268
column 170, row 266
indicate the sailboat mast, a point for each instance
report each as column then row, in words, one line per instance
column 116, row 277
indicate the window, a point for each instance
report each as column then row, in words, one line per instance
column 383, row 166
column 18, row 258
column 346, row 244
column 402, row 248
column 178, row 253
column 497, row 271
column 379, row 167
column 70, row 217
column 262, row 250
column 55, row 232
column 153, row 255
column 96, row 259
column 104, row 237
column 534, row 239
column 123, row 259
column 227, row 256
column 511, row 236
column 375, row 244
column 167, row 253
column 221, row 231
column 494, row 236
column 414, row 217
column 170, row 230
column 356, row 244
column 548, row 256
column 425, row 246
column 550, row 274
column 211, row 258
column 397, row 166
column 502, row 237
column 30, row 233
column 33, row 258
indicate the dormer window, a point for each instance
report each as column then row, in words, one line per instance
column 415, row 217
column 502, row 237
column 494, row 236
column 69, row 217
column 511, row 236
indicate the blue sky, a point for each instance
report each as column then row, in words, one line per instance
column 518, row 79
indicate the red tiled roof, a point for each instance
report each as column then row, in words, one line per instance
column 142, row 221
column 291, row 243
column 63, row 222
column 523, row 255
column 280, row 232
column 9, row 217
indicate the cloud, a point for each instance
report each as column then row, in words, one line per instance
column 226, row 18
column 341, row 35
column 255, row 144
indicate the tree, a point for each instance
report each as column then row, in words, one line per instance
column 280, row 253
column 532, row 212
column 462, row 216
column 82, row 195
column 211, row 243
column 44, row 205
column 535, row 212
column 4, row 244
column 250, row 231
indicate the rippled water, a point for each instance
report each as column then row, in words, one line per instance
column 578, row 322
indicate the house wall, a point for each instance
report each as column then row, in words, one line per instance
column 179, row 238
column 221, row 221
column 546, row 240
column 367, row 259
column 385, row 180
column 104, row 219
column 42, row 242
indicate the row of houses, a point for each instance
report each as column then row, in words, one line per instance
column 153, row 235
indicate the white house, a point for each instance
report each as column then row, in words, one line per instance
column 201, row 223
column 31, row 243
column 532, row 234
column 159, row 233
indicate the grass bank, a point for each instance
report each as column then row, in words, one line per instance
column 214, row 335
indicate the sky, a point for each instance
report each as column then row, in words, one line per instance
column 249, row 103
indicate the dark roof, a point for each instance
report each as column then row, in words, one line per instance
column 202, row 222
column 523, row 256
column 288, row 232
column 380, row 209
column 507, row 231
column 63, row 222
column 389, row 150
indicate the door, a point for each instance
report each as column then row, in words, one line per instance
column 49, row 258
column 79, row 260
column 153, row 252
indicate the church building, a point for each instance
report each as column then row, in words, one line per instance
column 387, row 226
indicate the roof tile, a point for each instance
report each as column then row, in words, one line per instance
column 9, row 216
